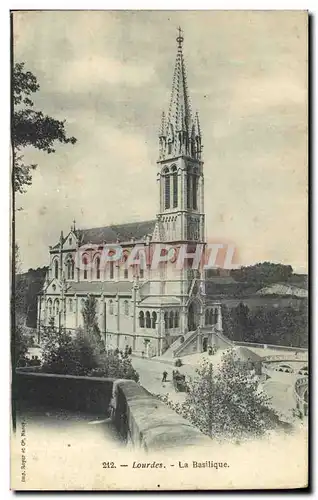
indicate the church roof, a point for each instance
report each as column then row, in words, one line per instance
column 121, row 232
column 98, row 287
column 160, row 301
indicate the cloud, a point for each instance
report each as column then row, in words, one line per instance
column 109, row 74
column 260, row 94
column 81, row 75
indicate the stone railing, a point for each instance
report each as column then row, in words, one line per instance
column 271, row 346
column 188, row 338
column 147, row 423
column 138, row 416
column 302, row 357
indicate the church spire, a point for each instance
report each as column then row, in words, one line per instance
column 176, row 133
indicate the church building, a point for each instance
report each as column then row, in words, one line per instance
column 162, row 311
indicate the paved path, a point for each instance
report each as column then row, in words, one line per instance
column 279, row 387
column 150, row 372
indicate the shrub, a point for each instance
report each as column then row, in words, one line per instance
column 226, row 403
column 83, row 354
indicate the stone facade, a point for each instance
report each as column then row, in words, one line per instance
column 147, row 308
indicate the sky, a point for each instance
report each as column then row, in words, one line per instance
column 109, row 75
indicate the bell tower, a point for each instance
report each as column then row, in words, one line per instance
column 180, row 166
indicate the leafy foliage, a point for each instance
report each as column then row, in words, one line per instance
column 89, row 313
column 226, row 403
column 22, row 342
column 27, row 287
column 115, row 365
column 82, row 353
column 263, row 273
column 30, row 127
column 269, row 325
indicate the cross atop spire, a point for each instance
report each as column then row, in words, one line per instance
column 180, row 38
column 176, row 131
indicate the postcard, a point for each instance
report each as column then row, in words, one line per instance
column 159, row 326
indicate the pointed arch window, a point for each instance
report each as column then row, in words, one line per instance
column 166, row 318
column 85, row 270
column 70, row 268
column 111, row 270
column 142, row 265
column 124, row 265
column 141, row 319
column 148, row 321
column 153, row 320
column 49, row 303
column 171, row 319
column 167, row 189
column 126, row 307
column 189, row 198
column 176, row 319
column 211, row 317
column 207, row 317
column 97, row 266
column 111, row 307
column 175, row 186
column 56, row 307
column 56, row 269
column 70, row 305
column 194, row 192
column 216, row 313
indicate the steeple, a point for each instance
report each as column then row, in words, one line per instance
column 180, row 133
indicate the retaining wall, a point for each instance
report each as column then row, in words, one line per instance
column 140, row 418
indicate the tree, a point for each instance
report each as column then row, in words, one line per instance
column 22, row 342
column 89, row 314
column 81, row 354
column 58, row 352
column 30, row 127
column 115, row 366
column 263, row 273
column 226, row 402
column 228, row 322
column 242, row 325
column 282, row 326
column 27, row 288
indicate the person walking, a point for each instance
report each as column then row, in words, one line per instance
column 164, row 376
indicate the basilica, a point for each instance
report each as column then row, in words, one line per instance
column 157, row 312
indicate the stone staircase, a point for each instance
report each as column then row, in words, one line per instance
column 180, row 348
column 223, row 341
column 176, row 346
column 190, row 337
